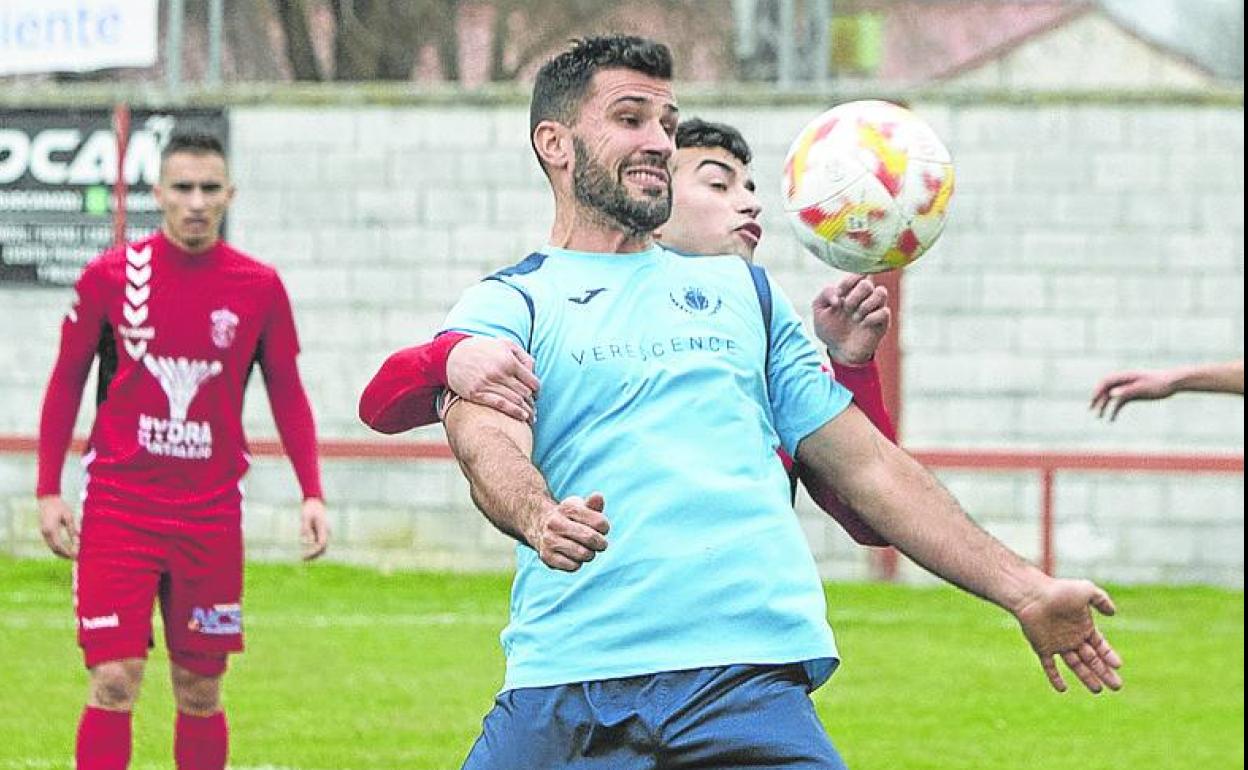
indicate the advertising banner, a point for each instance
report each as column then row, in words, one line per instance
column 76, row 35
column 57, row 170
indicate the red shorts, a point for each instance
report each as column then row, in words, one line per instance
column 124, row 563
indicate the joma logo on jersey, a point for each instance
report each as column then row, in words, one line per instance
column 220, row 619
column 589, row 295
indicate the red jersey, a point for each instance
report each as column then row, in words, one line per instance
column 177, row 335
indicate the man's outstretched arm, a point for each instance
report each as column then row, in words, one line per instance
column 908, row 506
column 1121, row 388
column 494, row 452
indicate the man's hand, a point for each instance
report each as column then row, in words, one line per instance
column 571, row 533
column 851, row 317
column 494, row 373
column 57, row 525
column 1057, row 621
column 314, row 529
column 1121, row 388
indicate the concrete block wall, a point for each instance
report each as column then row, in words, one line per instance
column 1084, row 237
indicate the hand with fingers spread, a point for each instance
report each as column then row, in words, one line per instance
column 494, row 373
column 1057, row 621
column 314, row 528
column 58, row 527
column 570, row 533
column 1119, row 389
column 851, row 317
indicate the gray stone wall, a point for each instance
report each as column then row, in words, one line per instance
column 1084, row 237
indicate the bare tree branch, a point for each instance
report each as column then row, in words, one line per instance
column 293, row 15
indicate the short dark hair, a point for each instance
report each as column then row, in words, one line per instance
column 562, row 82
column 696, row 132
column 194, row 143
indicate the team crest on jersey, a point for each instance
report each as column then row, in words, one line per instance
column 695, row 300
column 224, row 325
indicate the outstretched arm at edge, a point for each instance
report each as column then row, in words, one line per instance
column 908, row 506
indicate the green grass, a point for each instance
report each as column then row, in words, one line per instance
column 350, row 669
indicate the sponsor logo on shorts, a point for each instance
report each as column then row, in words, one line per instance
column 218, row 620
column 103, row 621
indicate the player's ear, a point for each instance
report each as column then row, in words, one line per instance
column 553, row 142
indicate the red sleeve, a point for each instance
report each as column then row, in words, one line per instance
column 81, row 332
column 279, row 347
column 864, row 383
column 402, row 394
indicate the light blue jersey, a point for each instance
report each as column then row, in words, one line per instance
column 657, row 392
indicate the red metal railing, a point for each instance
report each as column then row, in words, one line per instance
column 1046, row 464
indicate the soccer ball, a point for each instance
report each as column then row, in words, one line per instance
column 867, row 186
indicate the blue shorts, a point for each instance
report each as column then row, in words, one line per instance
column 724, row 718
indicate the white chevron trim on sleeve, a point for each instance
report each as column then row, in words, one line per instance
column 135, row 316
column 139, row 258
column 138, row 275
column 134, row 309
column 136, row 349
column 137, row 296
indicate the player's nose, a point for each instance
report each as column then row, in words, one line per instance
column 749, row 204
column 658, row 142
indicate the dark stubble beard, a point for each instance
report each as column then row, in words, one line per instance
column 596, row 189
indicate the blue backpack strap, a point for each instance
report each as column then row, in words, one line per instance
column 763, row 289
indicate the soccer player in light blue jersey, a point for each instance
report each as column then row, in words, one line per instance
column 666, row 610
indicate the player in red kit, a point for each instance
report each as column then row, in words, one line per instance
column 177, row 320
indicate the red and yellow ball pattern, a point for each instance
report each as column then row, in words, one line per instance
column 867, row 186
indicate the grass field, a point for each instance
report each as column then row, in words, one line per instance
column 350, row 669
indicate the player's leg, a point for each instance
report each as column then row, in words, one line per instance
column 755, row 717
column 104, row 730
column 203, row 624
column 115, row 583
column 568, row 727
column 201, row 734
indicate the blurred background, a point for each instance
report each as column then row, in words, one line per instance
column 472, row 43
column 381, row 154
